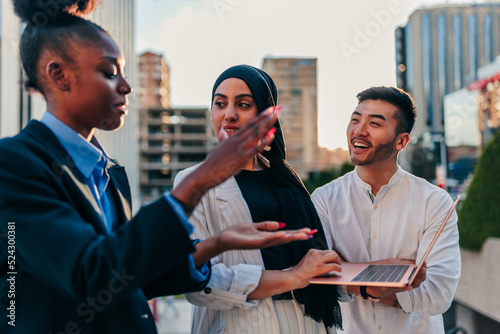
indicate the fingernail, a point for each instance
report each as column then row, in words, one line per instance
column 279, row 107
column 281, row 225
column 270, row 133
column 312, row 232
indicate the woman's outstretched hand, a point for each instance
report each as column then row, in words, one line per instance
column 259, row 235
column 247, row 236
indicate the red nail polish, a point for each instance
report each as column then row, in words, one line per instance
column 281, row 225
column 312, row 232
column 270, row 133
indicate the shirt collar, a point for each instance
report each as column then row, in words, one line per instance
column 84, row 154
column 394, row 178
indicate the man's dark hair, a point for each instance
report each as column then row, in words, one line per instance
column 398, row 98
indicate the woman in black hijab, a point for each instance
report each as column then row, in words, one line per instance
column 261, row 291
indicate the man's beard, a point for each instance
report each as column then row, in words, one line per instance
column 381, row 152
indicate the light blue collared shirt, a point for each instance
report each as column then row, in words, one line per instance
column 87, row 156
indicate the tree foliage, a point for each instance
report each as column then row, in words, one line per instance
column 479, row 214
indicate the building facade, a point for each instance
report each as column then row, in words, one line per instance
column 296, row 79
column 472, row 116
column 332, row 159
column 171, row 140
column 154, row 81
column 439, row 51
column 462, row 137
column 488, row 102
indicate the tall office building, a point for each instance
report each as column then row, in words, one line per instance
column 439, row 51
column 297, row 92
column 154, row 81
column 462, row 135
column 171, row 140
column 17, row 107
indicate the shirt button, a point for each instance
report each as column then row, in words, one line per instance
column 374, row 237
column 376, row 207
column 207, row 290
column 379, row 328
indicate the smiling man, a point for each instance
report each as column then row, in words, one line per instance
column 379, row 212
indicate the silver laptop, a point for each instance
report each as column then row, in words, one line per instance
column 383, row 275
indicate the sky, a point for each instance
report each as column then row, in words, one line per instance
column 353, row 42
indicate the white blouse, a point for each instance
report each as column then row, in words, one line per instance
column 222, row 307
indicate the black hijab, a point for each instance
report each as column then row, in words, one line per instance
column 320, row 301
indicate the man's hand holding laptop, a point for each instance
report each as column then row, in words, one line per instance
column 387, row 295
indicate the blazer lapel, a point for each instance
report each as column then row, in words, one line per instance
column 69, row 175
column 120, row 189
column 232, row 204
column 235, row 211
column 83, row 197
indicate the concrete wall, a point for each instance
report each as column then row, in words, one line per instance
column 478, row 289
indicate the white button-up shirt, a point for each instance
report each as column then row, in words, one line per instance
column 400, row 222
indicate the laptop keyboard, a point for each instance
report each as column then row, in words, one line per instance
column 382, row 273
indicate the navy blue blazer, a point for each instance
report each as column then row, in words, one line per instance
column 72, row 274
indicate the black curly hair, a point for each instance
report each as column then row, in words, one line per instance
column 51, row 26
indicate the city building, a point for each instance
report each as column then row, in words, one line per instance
column 332, row 159
column 17, row 107
column 462, row 138
column 471, row 117
column 297, row 92
column 488, row 102
column 171, row 140
column 154, row 81
column 439, row 51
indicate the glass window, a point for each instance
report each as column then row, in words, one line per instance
column 488, row 39
column 409, row 57
column 472, row 30
column 305, row 62
column 457, row 55
column 426, row 64
column 442, row 47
